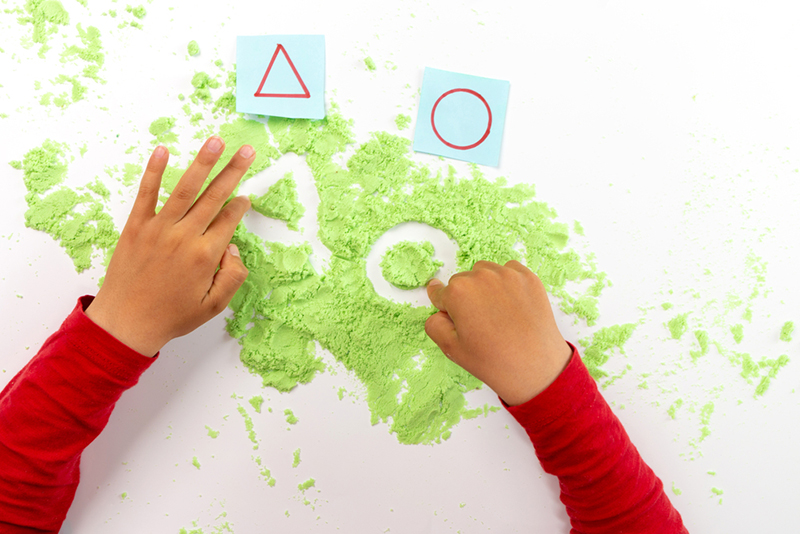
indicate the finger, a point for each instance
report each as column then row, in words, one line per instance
column 229, row 278
column 224, row 224
column 213, row 198
column 185, row 193
column 442, row 331
column 435, row 288
column 147, row 197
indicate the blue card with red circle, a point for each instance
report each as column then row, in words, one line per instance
column 461, row 116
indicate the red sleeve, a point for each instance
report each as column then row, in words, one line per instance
column 50, row 411
column 605, row 484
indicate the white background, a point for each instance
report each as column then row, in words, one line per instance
column 669, row 130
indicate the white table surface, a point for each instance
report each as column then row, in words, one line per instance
column 669, row 130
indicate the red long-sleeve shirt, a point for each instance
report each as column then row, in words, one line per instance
column 605, row 484
column 58, row 404
column 50, row 411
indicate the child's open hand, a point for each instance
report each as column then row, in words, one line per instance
column 173, row 271
column 496, row 322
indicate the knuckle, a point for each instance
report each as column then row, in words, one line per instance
column 239, row 275
column 206, row 254
column 215, row 194
column 146, row 191
column 182, row 193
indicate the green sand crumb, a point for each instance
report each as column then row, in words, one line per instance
column 290, row 417
column 203, row 83
column 307, row 484
column 196, row 462
column 248, row 426
column 402, row 121
column 91, row 52
column 193, row 48
column 738, row 332
column 296, row 460
column 131, row 174
column 341, row 393
column 45, row 16
column 161, row 125
column 369, row 63
column 716, row 491
column 124, row 495
column 280, row 202
column 265, row 473
column 705, row 417
column 577, row 228
column 256, row 403
column 674, row 408
column 786, row 331
column 408, row 265
column 712, row 473
column 703, row 341
column 677, row 325
column 138, row 12
column 212, row 433
column 99, row 189
column 598, row 348
column 675, row 490
column 161, row 129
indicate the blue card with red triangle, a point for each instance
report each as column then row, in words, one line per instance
column 281, row 75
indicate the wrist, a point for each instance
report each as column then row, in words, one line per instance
column 115, row 325
column 540, row 377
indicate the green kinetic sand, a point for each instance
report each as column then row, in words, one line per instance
column 402, row 121
column 45, row 16
column 193, row 48
column 677, row 325
column 256, row 403
column 369, row 63
column 78, row 221
column 285, row 304
column 409, row 265
column 291, row 418
column 280, row 202
column 786, row 331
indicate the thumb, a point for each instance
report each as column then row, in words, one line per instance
column 441, row 329
column 435, row 288
column 229, row 278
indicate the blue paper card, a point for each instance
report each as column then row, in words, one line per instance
column 281, row 75
column 461, row 116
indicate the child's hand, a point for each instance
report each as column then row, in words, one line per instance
column 173, row 271
column 496, row 322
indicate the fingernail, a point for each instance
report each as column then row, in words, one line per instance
column 234, row 250
column 159, row 152
column 433, row 282
column 214, row 145
column 246, row 151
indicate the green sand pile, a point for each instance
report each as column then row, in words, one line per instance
column 280, row 202
column 284, row 306
column 409, row 265
column 78, row 221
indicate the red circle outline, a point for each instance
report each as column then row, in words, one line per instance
column 488, row 127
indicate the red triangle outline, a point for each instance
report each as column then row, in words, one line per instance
column 304, row 94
